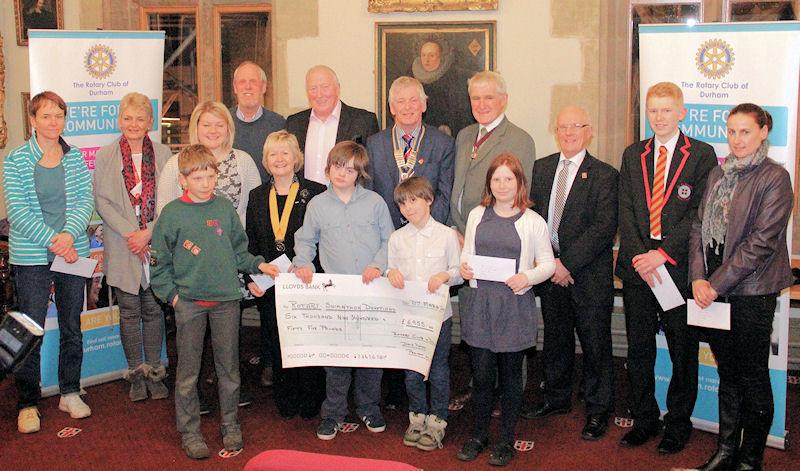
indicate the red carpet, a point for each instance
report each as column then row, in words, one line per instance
column 141, row 436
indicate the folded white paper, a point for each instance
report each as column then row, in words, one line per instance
column 715, row 316
column 82, row 267
column 266, row 282
column 492, row 268
column 666, row 292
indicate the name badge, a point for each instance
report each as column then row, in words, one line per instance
column 137, row 190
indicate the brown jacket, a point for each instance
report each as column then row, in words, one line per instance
column 756, row 259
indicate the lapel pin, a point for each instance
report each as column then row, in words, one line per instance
column 584, row 175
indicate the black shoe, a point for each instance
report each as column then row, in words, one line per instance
column 544, row 409
column 308, row 412
column 502, row 454
column 472, row 448
column 595, row 428
column 288, row 411
column 639, row 435
column 671, row 444
column 722, row 460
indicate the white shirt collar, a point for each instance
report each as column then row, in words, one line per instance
column 670, row 144
column 240, row 114
column 576, row 159
column 489, row 127
column 337, row 110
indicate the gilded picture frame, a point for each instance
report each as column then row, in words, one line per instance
column 391, row 6
column 464, row 48
column 37, row 14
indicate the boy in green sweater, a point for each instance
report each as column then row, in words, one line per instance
column 198, row 248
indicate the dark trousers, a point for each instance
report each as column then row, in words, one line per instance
column 33, row 292
column 485, row 366
column 562, row 318
column 294, row 389
column 742, row 355
column 642, row 316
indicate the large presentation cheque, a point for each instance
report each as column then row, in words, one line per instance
column 336, row 320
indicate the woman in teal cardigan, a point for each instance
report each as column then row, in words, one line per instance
column 48, row 194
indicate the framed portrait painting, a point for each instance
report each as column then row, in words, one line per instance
column 442, row 56
column 37, row 14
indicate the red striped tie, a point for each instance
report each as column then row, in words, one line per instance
column 657, row 199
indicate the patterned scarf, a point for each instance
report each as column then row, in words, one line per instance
column 715, row 219
column 146, row 200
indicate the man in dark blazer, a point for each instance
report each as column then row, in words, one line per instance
column 657, row 204
column 327, row 122
column 411, row 148
column 577, row 195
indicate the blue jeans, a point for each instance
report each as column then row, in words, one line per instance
column 367, row 392
column 33, row 284
column 439, row 378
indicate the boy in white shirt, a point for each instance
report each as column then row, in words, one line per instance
column 425, row 250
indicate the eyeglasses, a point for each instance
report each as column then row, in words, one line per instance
column 573, row 127
column 345, row 169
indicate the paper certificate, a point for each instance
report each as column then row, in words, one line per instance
column 666, row 292
column 492, row 268
column 82, row 267
column 266, row 282
column 336, row 320
column 715, row 316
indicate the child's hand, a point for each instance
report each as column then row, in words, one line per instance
column 466, row 271
column 253, row 287
column 370, row 273
column 175, row 301
column 304, row 273
column 396, row 278
column 438, row 280
column 517, row 282
column 269, row 269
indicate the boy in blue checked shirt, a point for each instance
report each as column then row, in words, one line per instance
column 352, row 227
column 425, row 249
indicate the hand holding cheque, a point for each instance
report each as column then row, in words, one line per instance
column 503, row 270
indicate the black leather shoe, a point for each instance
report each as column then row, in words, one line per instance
column 544, row 409
column 639, row 436
column 472, row 448
column 595, row 428
column 502, row 454
column 670, row 445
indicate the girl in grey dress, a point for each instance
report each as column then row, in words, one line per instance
column 498, row 319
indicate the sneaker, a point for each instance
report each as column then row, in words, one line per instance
column 416, row 424
column 433, row 434
column 74, row 406
column 232, row 437
column 244, row 396
column 194, row 446
column 472, row 448
column 266, row 376
column 502, row 454
column 28, row 420
column 374, row 423
column 327, row 429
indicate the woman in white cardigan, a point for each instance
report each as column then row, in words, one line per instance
column 211, row 125
column 498, row 319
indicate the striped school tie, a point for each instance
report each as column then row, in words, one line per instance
column 657, row 199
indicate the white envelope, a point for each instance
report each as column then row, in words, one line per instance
column 266, row 282
column 492, row 268
column 715, row 316
column 82, row 267
column 666, row 292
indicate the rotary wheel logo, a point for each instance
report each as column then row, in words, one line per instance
column 101, row 61
column 714, row 58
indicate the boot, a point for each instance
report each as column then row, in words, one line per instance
column 138, row 390
column 433, row 434
column 754, row 439
column 730, row 432
column 155, row 382
column 416, row 424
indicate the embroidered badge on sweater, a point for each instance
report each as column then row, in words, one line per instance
column 191, row 247
column 215, row 223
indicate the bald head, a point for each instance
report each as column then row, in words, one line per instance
column 573, row 130
column 322, row 89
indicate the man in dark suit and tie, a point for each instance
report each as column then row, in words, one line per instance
column 662, row 180
column 327, row 122
column 577, row 195
column 411, row 148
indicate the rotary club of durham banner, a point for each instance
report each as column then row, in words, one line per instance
column 92, row 71
column 719, row 66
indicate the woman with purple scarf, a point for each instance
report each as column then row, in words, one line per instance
column 125, row 177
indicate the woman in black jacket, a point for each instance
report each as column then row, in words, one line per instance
column 738, row 255
column 275, row 210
